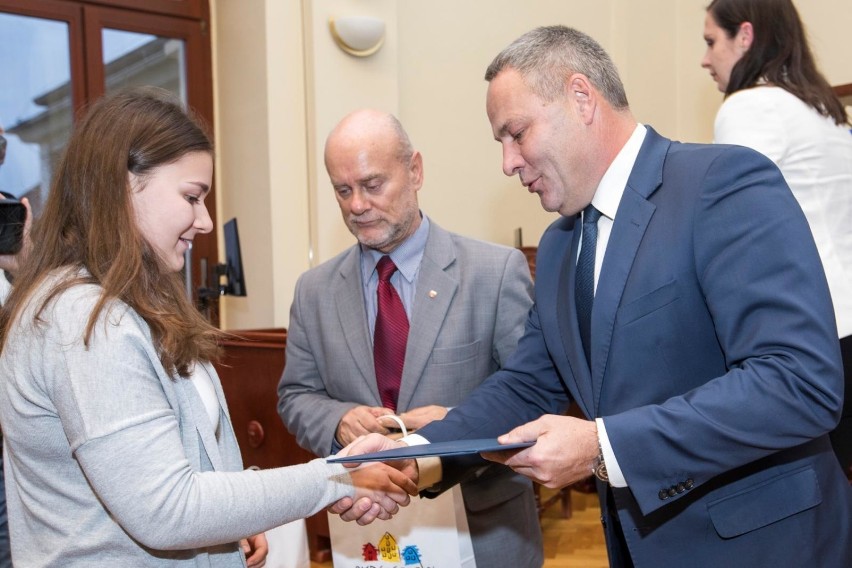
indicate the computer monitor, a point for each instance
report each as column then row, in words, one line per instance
column 235, row 284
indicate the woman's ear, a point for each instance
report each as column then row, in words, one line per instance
column 745, row 36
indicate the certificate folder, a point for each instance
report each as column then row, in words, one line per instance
column 439, row 449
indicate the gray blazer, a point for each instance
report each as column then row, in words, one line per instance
column 113, row 462
column 459, row 336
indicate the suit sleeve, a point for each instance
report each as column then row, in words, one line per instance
column 525, row 389
column 306, row 408
column 761, row 279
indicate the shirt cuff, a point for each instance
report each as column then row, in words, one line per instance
column 613, row 471
column 430, row 469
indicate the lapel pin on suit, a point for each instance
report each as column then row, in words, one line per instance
column 432, row 293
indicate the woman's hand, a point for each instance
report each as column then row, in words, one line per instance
column 255, row 548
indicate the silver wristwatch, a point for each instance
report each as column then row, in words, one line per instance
column 599, row 466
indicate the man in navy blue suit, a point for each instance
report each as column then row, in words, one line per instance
column 708, row 366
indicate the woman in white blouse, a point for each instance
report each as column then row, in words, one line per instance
column 777, row 102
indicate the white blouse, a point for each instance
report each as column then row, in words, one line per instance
column 815, row 156
column 203, row 383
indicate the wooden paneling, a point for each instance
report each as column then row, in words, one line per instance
column 250, row 369
column 529, row 253
column 845, row 93
column 186, row 8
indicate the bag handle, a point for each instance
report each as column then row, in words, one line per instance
column 398, row 421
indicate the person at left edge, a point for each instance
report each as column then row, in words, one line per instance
column 466, row 302
column 9, row 264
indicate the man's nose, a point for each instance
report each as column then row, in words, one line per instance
column 512, row 160
column 359, row 202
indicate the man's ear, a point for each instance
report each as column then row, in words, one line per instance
column 582, row 96
column 415, row 170
column 745, row 36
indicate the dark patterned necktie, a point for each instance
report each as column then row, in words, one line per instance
column 585, row 282
column 390, row 336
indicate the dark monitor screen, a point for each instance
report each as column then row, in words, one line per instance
column 233, row 260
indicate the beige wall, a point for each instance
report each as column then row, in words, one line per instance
column 829, row 27
column 281, row 84
column 261, row 140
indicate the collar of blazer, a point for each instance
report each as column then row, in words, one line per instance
column 555, row 288
column 428, row 313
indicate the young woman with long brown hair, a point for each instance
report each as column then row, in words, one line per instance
column 120, row 449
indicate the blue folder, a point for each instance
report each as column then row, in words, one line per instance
column 439, row 449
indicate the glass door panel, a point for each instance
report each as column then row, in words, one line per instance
column 36, row 106
column 134, row 59
column 63, row 54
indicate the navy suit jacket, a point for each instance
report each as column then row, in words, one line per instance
column 714, row 364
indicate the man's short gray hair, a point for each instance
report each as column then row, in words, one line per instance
column 546, row 56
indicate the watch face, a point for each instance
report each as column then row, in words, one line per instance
column 600, row 471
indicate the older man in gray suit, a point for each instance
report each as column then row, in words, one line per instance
column 453, row 313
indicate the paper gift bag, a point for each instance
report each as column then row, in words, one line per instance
column 429, row 533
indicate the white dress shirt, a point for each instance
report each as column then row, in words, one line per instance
column 606, row 200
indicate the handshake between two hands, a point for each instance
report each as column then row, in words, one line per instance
column 380, row 488
column 564, row 449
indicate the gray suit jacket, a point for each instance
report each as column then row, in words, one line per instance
column 112, row 461
column 459, row 336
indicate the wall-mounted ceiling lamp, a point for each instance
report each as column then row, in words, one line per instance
column 358, row 35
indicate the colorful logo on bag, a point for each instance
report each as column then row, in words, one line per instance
column 388, row 551
column 388, row 548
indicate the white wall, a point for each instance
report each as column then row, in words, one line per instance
column 281, row 85
column 444, row 49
